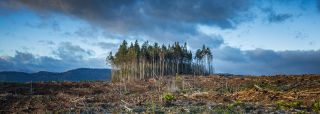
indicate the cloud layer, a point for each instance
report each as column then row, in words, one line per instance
column 226, row 60
column 69, row 57
column 163, row 21
column 127, row 14
column 266, row 62
column 143, row 16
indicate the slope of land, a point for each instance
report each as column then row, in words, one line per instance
column 186, row 94
column 81, row 74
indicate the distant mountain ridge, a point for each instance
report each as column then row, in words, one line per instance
column 81, row 74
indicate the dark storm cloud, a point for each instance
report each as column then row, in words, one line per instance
column 27, row 62
column 266, row 62
column 210, row 41
column 68, row 51
column 204, row 12
column 229, row 54
column 141, row 15
column 165, row 21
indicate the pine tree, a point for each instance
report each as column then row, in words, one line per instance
column 151, row 61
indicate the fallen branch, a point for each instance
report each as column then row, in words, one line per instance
column 126, row 107
column 259, row 88
column 124, row 102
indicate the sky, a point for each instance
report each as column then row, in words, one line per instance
column 254, row 37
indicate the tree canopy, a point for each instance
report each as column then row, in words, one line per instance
column 135, row 62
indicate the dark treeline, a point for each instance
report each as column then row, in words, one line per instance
column 135, row 62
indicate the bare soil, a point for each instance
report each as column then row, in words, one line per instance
column 179, row 94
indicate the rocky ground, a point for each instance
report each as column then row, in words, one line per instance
column 179, row 94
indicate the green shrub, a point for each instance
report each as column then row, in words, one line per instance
column 168, row 97
column 235, row 104
column 222, row 111
column 285, row 105
column 178, row 78
column 301, row 112
column 294, row 104
column 281, row 104
column 316, row 106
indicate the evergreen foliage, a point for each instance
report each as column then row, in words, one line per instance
column 135, row 62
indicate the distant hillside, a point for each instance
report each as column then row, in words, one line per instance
column 81, row 74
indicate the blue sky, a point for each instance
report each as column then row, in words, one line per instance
column 259, row 37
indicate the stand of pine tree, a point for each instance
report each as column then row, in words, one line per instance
column 137, row 62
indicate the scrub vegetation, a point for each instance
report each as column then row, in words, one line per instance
column 182, row 94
